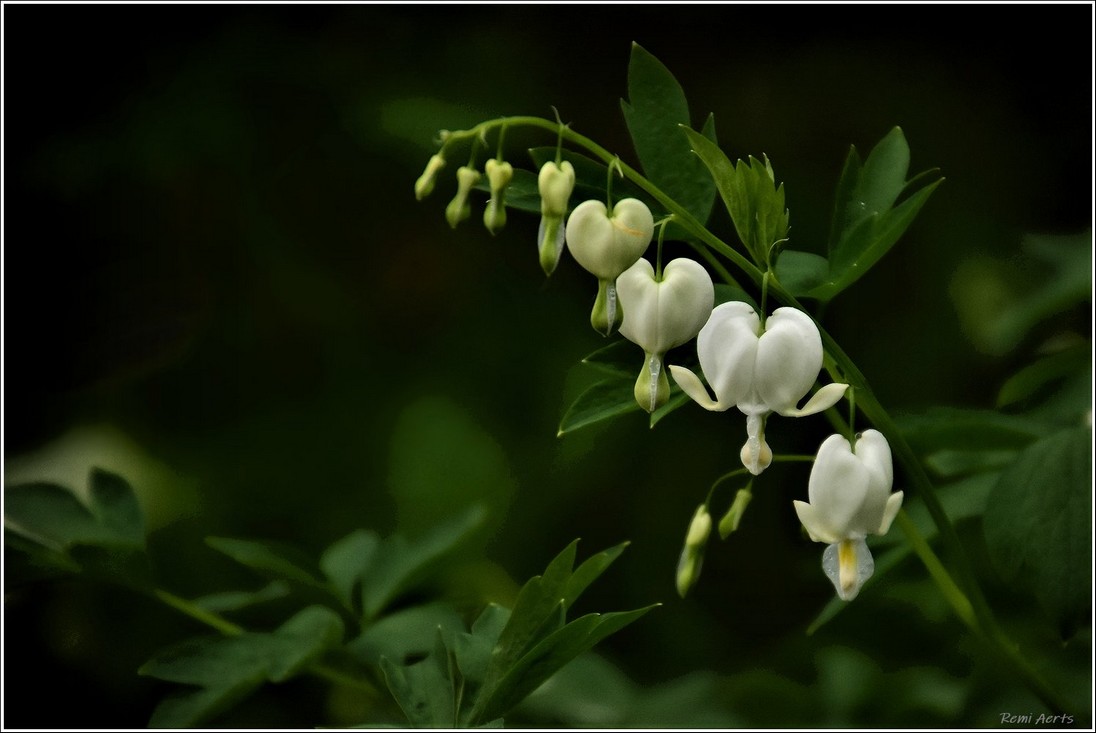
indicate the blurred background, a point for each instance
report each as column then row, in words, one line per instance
column 218, row 283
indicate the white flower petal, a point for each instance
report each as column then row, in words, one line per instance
column 685, row 300
column 638, row 294
column 874, row 450
column 691, row 385
column 823, row 399
column 809, row 518
column 727, row 347
column 789, row 357
column 894, row 503
column 848, row 564
column 838, row 488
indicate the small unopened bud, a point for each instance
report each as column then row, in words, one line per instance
column 730, row 520
column 499, row 174
column 699, row 528
column 692, row 554
column 425, row 185
column 555, row 184
column 459, row 209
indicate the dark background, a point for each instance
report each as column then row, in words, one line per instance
column 211, row 245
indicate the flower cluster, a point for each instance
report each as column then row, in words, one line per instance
column 763, row 364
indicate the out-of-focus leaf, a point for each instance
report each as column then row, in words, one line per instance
column 726, row 293
column 958, row 429
column 1038, row 524
column 270, row 559
column 400, row 563
column 952, row 463
column 589, row 571
column 228, row 669
column 750, row 193
column 55, row 532
column 409, row 632
column 473, row 650
column 654, row 112
column 346, row 561
column 602, row 401
column 237, row 600
column 522, row 193
column 425, row 690
column 801, row 272
column 1034, row 377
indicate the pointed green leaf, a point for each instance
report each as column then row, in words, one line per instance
column 949, row 428
column 801, row 272
column 1037, row 525
column 678, row 399
column 602, row 401
column 268, row 558
column 1032, row 378
column 237, row 600
column 473, row 651
column 400, row 564
column 548, row 657
column 346, row 561
column 655, row 108
column 115, row 506
column 589, row 571
column 408, row 632
column 883, row 175
column 620, row 358
column 423, row 691
column 843, row 208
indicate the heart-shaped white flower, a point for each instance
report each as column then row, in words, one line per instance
column 850, row 498
column 662, row 314
column 759, row 370
column 608, row 243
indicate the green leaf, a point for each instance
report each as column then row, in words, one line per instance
column 602, row 401
column 400, row 564
column 1038, row 525
column 621, row 358
column 801, row 272
column 866, row 222
column 237, row 600
column 55, row 532
column 957, row 429
column 228, row 669
column 346, row 561
column 409, row 632
column 750, row 193
column 116, row 508
column 270, row 559
column 589, row 571
column 655, row 109
column 678, row 399
column 424, row 690
column 727, row 293
column 1032, row 378
column 473, row 651
column 548, row 657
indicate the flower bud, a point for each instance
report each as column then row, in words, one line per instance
column 499, row 174
column 692, row 554
column 425, row 185
column 555, row 184
column 730, row 521
column 459, row 209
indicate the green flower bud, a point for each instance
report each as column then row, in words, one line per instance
column 459, row 209
column 692, row 554
column 730, row 520
column 425, row 185
column 555, row 183
column 499, row 174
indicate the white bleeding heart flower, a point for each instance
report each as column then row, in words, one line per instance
column 555, row 184
column 760, row 370
column 662, row 314
column 850, row 498
column 606, row 243
column 499, row 173
column 459, row 209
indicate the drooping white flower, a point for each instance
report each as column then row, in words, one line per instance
column 662, row 314
column 759, row 370
column 555, row 183
column 606, row 243
column 850, row 498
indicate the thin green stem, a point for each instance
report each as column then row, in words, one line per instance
column 793, row 459
column 658, row 251
column 954, row 596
